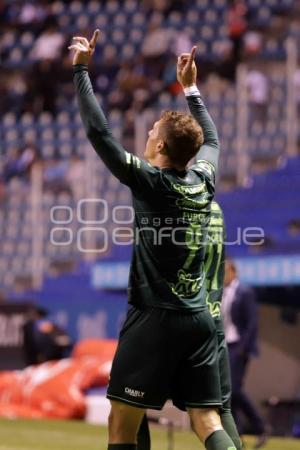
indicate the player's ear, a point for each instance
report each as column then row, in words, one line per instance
column 161, row 147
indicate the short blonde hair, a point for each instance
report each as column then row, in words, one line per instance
column 182, row 135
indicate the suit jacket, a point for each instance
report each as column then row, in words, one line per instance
column 244, row 315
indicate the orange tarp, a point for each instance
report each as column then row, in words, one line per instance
column 56, row 388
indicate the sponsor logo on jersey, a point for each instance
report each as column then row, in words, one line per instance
column 205, row 166
column 134, row 392
column 190, row 189
column 186, row 286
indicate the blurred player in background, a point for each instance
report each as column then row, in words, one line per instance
column 44, row 340
column 214, row 272
column 239, row 311
column 168, row 342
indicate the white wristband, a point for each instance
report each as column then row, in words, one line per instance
column 191, row 90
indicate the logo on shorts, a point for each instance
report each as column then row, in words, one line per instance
column 134, row 393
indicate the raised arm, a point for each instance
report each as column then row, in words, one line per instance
column 125, row 166
column 187, row 77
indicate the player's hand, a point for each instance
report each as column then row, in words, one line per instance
column 186, row 68
column 84, row 49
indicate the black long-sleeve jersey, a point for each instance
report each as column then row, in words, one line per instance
column 172, row 208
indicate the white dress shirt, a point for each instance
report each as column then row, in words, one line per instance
column 231, row 331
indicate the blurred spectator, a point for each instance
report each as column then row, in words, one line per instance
column 257, row 85
column 226, row 62
column 55, row 176
column 156, row 46
column 48, row 45
column 140, row 100
column 128, row 129
column 3, row 11
column 237, row 25
column 297, row 88
column 253, row 43
column 156, row 5
column 12, row 91
column 28, row 157
column 157, row 39
column 18, row 162
column 16, row 91
column 43, row 82
column 181, row 42
column 146, row 65
column 63, row 88
column 43, row 339
column 294, row 227
column 150, row 68
column 128, row 79
column 105, row 70
column 169, row 78
column 2, row 189
column 2, row 180
column 10, row 169
column 31, row 353
column 164, row 6
column 32, row 14
column 75, row 177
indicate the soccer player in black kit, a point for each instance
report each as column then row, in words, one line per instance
column 168, row 345
column 214, row 265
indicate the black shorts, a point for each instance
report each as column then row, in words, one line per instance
column 165, row 354
column 224, row 367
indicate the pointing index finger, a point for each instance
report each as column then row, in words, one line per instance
column 192, row 56
column 94, row 38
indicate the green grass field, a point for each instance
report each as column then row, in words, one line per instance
column 71, row 435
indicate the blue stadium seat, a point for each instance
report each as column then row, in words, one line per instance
column 64, row 21
column 9, row 40
column 135, row 36
column 175, row 19
column 210, row 16
column 27, row 39
column 138, row 20
column 75, row 7
column 93, row 7
column 29, row 135
column 47, row 150
column 130, row 6
column 202, row 5
column 82, row 21
column 120, row 20
column 220, row 5
column 128, row 52
column 192, row 17
column 263, row 17
column 58, row 7
column 111, row 7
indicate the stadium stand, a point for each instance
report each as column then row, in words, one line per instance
column 39, row 111
column 272, row 203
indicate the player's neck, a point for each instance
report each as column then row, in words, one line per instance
column 163, row 162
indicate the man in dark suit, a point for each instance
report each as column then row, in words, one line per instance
column 239, row 310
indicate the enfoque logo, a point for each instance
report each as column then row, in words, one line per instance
column 122, row 232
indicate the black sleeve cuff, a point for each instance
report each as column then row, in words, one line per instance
column 80, row 68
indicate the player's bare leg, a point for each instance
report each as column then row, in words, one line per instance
column 123, row 423
column 206, row 423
